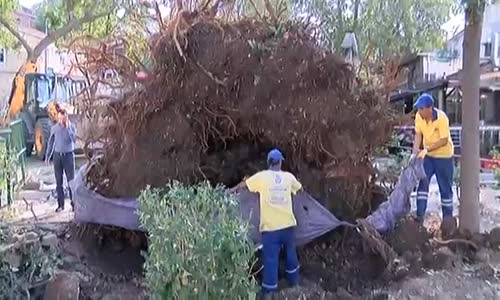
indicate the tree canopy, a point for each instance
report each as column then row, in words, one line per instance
column 384, row 28
column 64, row 19
column 7, row 7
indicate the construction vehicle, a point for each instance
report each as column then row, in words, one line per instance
column 36, row 98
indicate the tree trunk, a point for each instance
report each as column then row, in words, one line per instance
column 356, row 16
column 469, row 170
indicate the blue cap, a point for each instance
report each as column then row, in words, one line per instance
column 424, row 101
column 275, row 156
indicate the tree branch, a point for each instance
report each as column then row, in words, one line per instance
column 73, row 24
column 17, row 35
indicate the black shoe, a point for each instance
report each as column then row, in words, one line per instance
column 59, row 209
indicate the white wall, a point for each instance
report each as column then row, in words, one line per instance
column 491, row 25
column 14, row 60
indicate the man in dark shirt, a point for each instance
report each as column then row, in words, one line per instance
column 60, row 147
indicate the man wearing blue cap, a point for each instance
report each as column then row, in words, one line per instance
column 433, row 129
column 277, row 221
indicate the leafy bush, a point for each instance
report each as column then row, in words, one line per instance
column 495, row 154
column 389, row 168
column 198, row 246
column 7, row 169
column 37, row 265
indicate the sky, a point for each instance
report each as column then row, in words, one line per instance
column 29, row 3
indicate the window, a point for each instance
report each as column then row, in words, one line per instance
column 487, row 49
column 3, row 56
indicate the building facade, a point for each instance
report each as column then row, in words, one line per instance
column 12, row 60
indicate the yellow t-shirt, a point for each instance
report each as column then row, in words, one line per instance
column 275, row 190
column 433, row 131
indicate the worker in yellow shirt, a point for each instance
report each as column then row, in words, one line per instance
column 432, row 129
column 277, row 221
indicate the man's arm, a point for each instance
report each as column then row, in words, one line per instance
column 252, row 184
column 238, row 187
column 442, row 142
column 296, row 186
column 444, row 134
column 50, row 145
column 417, row 142
column 72, row 132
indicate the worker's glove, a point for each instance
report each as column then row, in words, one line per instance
column 423, row 153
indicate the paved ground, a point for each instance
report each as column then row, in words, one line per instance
column 38, row 196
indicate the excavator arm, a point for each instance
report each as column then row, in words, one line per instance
column 18, row 93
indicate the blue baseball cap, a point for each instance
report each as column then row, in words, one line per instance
column 424, row 101
column 275, row 156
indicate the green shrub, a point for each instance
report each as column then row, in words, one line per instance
column 36, row 266
column 495, row 154
column 7, row 169
column 198, row 247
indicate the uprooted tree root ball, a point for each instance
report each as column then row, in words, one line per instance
column 222, row 94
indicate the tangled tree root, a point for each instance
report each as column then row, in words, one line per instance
column 223, row 94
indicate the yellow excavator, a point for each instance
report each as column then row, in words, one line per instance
column 36, row 98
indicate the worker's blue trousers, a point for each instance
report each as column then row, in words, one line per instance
column 443, row 169
column 272, row 241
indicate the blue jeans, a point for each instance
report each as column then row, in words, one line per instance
column 272, row 241
column 443, row 169
column 64, row 163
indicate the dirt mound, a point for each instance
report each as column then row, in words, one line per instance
column 339, row 260
column 409, row 235
column 223, row 94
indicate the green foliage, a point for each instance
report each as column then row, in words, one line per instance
column 257, row 8
column 389, row 168
column 198, row 246
column 6, row 9
column 7, row 168
column 384, row 28
column 495, row 154
column 57, row 13
column 37, row 265
column 65, row 20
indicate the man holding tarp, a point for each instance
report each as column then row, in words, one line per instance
column 433, row 129
column 277, row 221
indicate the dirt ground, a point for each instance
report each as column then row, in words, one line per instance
column 112, row 270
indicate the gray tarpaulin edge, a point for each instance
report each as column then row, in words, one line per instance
column 313, row 219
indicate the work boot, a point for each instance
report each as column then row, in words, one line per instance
column 267, row 296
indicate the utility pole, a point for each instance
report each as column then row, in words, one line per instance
column 46, row 25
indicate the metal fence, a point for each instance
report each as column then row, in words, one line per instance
column 14, row 163
column 489, row 137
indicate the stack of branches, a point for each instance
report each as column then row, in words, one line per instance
column 223, row 93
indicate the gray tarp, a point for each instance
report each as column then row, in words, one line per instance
column 398, row 203
column 312, row 218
